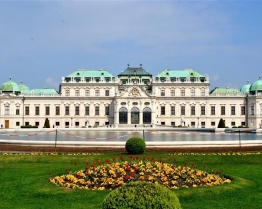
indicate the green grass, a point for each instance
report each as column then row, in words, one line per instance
column 24, row 181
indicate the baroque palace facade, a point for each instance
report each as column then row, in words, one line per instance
column 133, row 98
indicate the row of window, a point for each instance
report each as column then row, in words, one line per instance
column 87, row 92
column 57, row 110
column 202, row 110
column 182, row 92
column 202, row 124
column 162, row 112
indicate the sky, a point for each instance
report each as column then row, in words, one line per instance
column 42, row 41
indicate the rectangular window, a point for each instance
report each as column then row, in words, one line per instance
column 67, row 124
column 27, row 123
column 107, row 92
column 77, row 110
column 243, row 123
column 47, row 110
column 252, row 110
column 77, row 124
column 233, row 110
column 223, row 110
column 97, row 93
column 87, row 110
column 37, row 110
column 243, row 110
column 37, row 123
column 193, row 124
column 96, row 110
column 17, row 123
column 233, row 123
column 173, row 92
column 96, row 124
column 57, row 110
column 57, row 123
column 163, row 123
column 213, row 110
column 162, row 92
column 183, row 110
column 202, row 92
column 203, row 124
column 182, row 92
column 193, row 110
column 87, row 92
column 27, row 110
column 192, row 92
column 203, row 110
column 173, row 124
column 67, row 92
column 77, row 93
column 213, row 123
column 173, row 110
column 163, row 110
column 66, row 110
column 7, row 110
column 106, row 110
column 17, row 110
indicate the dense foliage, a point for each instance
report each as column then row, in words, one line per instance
column 135, row 145
column 47, row 124
column 221, row 123
column 141, row 195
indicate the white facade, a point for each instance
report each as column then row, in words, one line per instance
column 117, row 103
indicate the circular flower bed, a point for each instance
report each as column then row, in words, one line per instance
column 114, row 173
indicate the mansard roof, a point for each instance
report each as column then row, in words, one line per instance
column 225, row 91
column 135, row 71
column 43, row 91
column 89, row 73
column 180, row 73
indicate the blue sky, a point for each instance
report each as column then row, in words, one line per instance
column 41, row 41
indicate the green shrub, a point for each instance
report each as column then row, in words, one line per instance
column 141, row 195
column 135, row 145
column 47, row 124
column 221, row 124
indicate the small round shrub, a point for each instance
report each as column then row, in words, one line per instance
column 135, row 145
column 141, row 195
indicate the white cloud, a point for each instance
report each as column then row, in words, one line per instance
column 51, row 83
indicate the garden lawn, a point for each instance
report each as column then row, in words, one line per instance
column 25, row 180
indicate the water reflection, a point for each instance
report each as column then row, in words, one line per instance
column 120, row 136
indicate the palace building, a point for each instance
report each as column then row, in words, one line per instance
column 133, row 98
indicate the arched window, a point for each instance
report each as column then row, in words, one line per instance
column 147, row 115
column 122, row 115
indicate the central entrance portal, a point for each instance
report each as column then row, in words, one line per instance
column 147, row 115
column 135, row 115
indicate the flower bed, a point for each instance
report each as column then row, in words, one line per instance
column 118, row 171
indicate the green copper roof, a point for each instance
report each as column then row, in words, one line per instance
column 134, row 71
column 23, row 88
column 245, row 89
column 256, row 86
column 79, row 73
column 179, row 73
column 44, row 91
column 10, row 86
column 225, row 91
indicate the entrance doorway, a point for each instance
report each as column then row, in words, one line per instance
column 122, row 115
column 147, row 116
column 135, row 115
column 6, row 123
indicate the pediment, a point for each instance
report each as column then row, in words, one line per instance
column 134, row 91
